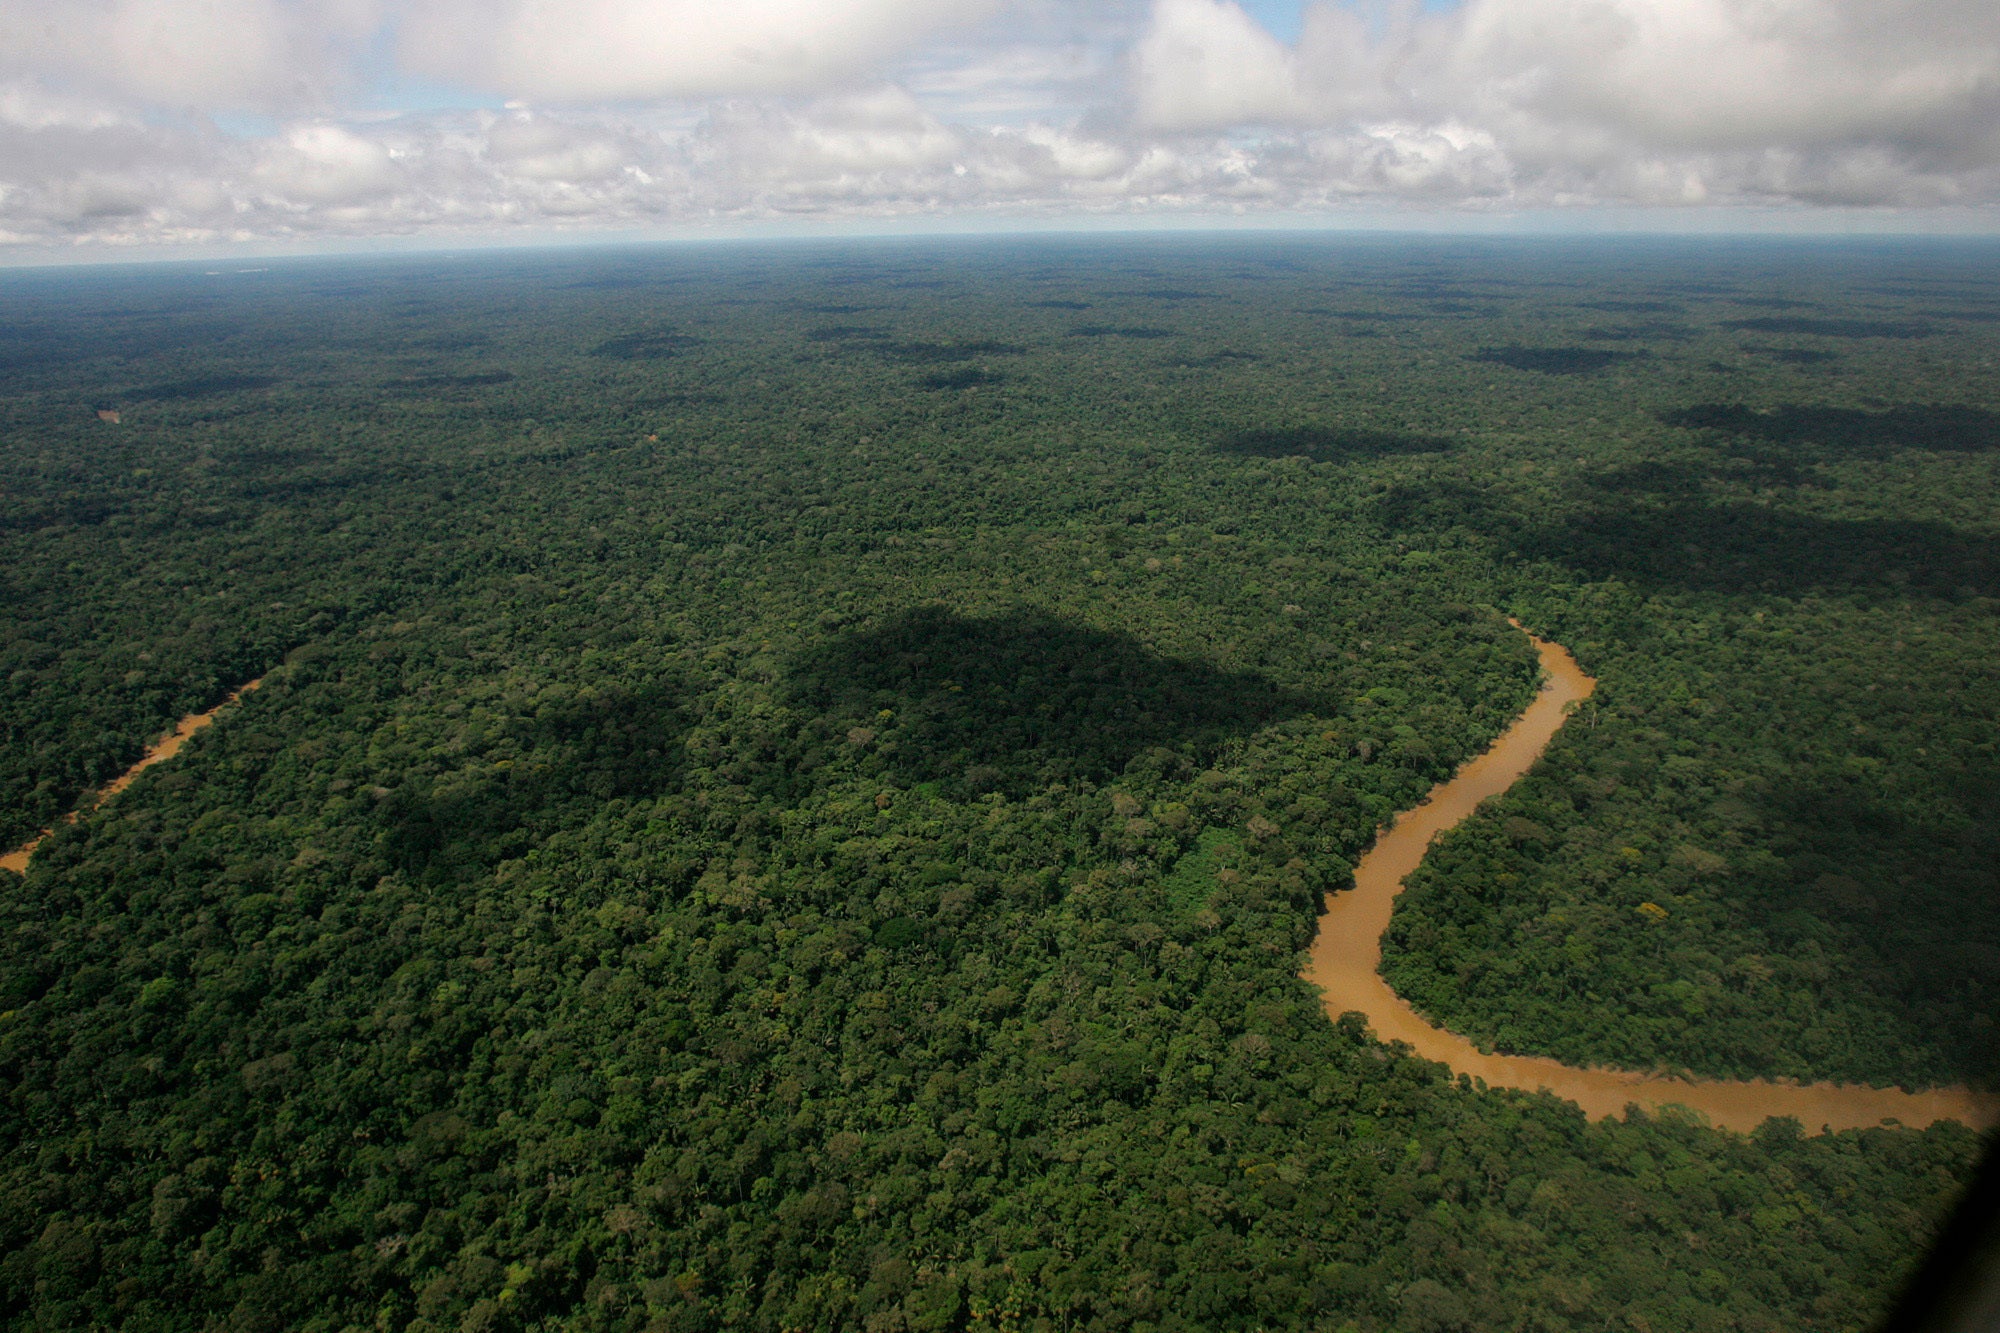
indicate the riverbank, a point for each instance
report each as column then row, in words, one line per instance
column 160, row 751
column 1346, row 959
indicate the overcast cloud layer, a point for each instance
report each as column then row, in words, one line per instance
column 145, row 122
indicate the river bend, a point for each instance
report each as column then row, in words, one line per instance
column 1346, row 959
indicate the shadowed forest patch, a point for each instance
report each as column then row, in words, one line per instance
column 966, row 377
column 84, row 511
column 943, row 353
column 1420, row 290
column 1651, row 477
column 566, row 763
column 840, row 333
column 1940, row 426
column 200, row 386
column 1771, row 303
column 453, row 342
column 1441, row 505
column 1795, row 356
column 1747, row 548
column 1119, row 331
column 680, row 398
column 275, row 457
column 646, row 345
column 1832, row 328
column 1368, row 316
column 655, row 842
column 1016, row 701
column 419, row 383
column 1640, row 333
column 1553, row 360
column 1632, row 307
column 1835, row 895
column 1329, row 444
column 1215, row 360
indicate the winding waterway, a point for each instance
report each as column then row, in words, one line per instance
column 1346, row 957
column 1346, row 961
column 161, row 750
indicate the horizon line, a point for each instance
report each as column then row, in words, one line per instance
column 1548, row 227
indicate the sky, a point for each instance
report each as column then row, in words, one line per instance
column 192, row 126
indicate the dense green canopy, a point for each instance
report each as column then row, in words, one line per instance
column 792, row 781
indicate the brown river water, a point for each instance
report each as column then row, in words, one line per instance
column 1347, row 955
column 161, row 750
column 1346, row 960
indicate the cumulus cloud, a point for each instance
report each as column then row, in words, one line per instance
column 1730, row 74
column 536, row 148
column 326, row 164
column 1011, row 82
column 880, row 147
column 587, row 50
column 203, row 54
column 1639, row 101
column 1208, row 64
column 659, row 114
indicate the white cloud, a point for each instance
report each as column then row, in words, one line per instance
column 27, row 106
column 880, row 148
column 1724, row 74
column 537, row 148
column 1010, row 81
column 594, row 50
column 1207, row 64
column 1633, row 101
column 327, row 164
column 203, row 54
column 665, row 113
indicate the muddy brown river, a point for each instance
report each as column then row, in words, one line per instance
column 1347, row 956
column 161, row 750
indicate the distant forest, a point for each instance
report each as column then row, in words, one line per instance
column 792, row 780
